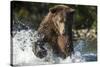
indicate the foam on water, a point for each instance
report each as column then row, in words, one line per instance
column 23, row 55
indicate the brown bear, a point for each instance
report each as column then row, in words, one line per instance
column 52, row 30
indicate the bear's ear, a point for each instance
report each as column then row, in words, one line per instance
column 53, row 10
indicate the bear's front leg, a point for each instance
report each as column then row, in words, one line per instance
column 61, row 41
column 39, row 49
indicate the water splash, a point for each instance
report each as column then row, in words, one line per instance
column 23, row 55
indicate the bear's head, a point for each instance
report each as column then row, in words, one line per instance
column 59, row 16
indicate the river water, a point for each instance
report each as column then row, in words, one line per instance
column 23, row 41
